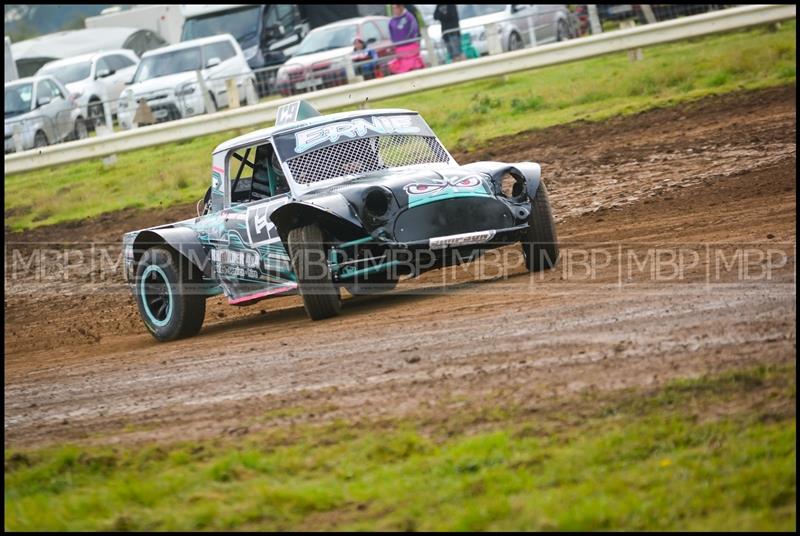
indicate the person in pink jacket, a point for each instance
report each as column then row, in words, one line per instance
column 404, row 32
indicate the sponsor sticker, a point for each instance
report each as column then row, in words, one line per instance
column 441, row 242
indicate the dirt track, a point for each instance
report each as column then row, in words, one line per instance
column 706, row 178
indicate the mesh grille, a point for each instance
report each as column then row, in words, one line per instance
column 365, row 155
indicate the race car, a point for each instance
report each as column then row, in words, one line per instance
column 318, row 203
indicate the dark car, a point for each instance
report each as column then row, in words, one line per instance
column 318, row 203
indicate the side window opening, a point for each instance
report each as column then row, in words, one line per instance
column 256, row 174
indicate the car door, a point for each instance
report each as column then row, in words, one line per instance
column 545, row 15
column 227, row 67
column 123, row 68
column 56, row 110
column 246, row 250
column 384, row 46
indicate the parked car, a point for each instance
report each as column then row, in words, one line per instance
column 352, row 200
column 41, row 112
column 515, row 24
column 267, row 33
column 31, row 54
column 319, row 61
column 98, row 79
column 166, row 80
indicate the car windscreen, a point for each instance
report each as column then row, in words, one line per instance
column 72, row 72
column 242, row 24
column 327, row 39
column 357, row 146
column 167, row 63
column 18, row 99
column 466, row 11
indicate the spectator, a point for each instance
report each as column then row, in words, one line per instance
column 365, row 59
column 405, row 34
column 447, row 15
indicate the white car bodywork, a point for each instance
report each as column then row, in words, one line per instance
column 43, row 113
column 176, row 95
column 106, row 73
column 518, row 25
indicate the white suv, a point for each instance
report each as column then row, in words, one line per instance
column 97, row 79
column 167, row 82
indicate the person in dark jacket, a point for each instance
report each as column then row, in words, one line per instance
column 447, row 15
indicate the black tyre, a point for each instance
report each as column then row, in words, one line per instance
column 515, row 41
column 315, row 281
column 168, row 294
column 377, row 283
column 541, row 247
column 96, row 115
column 562, row 32
column 40, row 140
column 81, row 132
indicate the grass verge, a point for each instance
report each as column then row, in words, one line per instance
column 464, row 116
column 715, row 453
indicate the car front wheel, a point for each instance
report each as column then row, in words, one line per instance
column 541, row 245
column 170, row 306
column 314, row 279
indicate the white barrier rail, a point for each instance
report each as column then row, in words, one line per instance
column 262, row 115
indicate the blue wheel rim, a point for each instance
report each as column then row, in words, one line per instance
column 156, row 294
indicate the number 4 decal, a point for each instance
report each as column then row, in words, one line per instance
column 259, row 227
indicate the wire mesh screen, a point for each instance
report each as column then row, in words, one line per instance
column 365, row 155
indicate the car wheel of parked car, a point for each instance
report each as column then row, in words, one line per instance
column 81, row 132
column 562, row 32
column 170, row 308
column 96, row 114
column 40, row 140
column 541, row 247
column 515, row 41
column 314, row 279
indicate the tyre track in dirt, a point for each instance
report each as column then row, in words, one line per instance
column 79, row 365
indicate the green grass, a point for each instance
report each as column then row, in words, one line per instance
column 715, row 453
column 465, row 116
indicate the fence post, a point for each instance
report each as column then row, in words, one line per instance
column 107, row 115
column 233, row 93
column 649, row 16
column 433, row 59
column 493, row 40
column 532, row 30
column 207, row 102
column 633, row 54
column 17, row 134
column 103, row 131
column 594, row 19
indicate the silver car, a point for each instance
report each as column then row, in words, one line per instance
column 98, row 79
column 39, row 111
column 517, row 25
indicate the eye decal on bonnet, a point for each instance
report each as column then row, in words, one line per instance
column 432, row 186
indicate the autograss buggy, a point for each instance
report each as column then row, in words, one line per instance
column 318, row 203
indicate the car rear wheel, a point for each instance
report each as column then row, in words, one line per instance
column 40, row 140
column 315, row 281
column 541, row 246
column 81, row 132
column 96, row 114
column 168, row 304
column 514, row 41
column 562, row 33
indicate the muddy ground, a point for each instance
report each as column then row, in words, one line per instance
column 706, row 189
